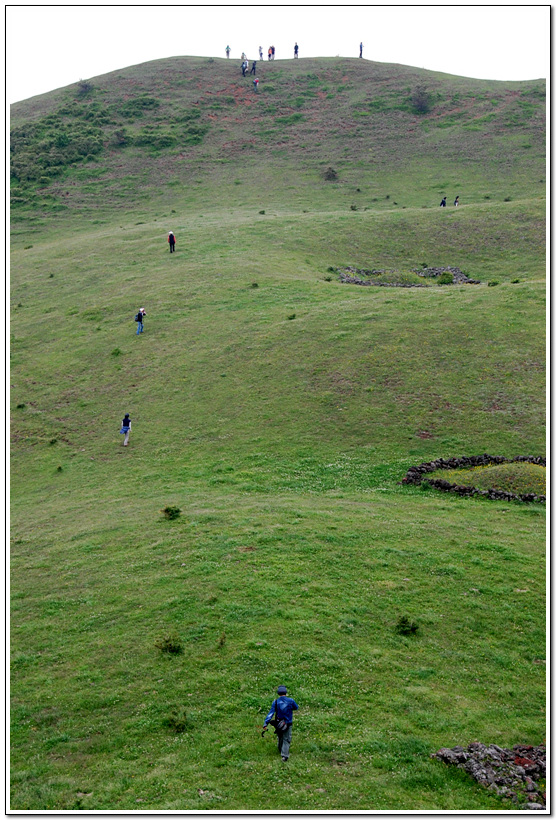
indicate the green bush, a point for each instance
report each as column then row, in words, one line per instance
column 406, row 627
column 176, row 720
column 171, row 512
column 170, row 644
column 446, row 279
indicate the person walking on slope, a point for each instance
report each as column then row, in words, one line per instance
column 244, row 67
column 139, row 319
column 296, row 52
column 126, row 427
column 228, row 49
column 253, row 64
column 256, row 83
column 282, row 707
column 172, row 241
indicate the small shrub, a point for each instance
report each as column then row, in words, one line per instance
column 254, row 284
column 327, row 278
column 176, row 720
column 53, row 441
column 424, row 264
column 331, row 269
column 446, row 279
column 84, row 87
column 420, row 100
column 116, row 352
column 405, row 626
column 507, row 199
column 493, row 283
column 387, row 196
column 291, row 316
column 222, row 640
column 21, row 406
column 331, row 175
column 27, row 247
column 59, row 468
column 19, row 304
column 353, row 207
column 515, row 281
column 51, row 276
column 262, row 212
column 171, row 512
column 486, row 196
column 171, row 644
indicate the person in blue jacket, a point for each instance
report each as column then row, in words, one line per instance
column 282, row 707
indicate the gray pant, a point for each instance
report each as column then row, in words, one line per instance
column 284, row 740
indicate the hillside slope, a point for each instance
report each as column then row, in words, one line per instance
column 279, row 410
column 388, row 130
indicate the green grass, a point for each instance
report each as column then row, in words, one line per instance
column 282, row 442
column 520, row 478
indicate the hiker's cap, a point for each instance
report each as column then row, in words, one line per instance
column 282, row 690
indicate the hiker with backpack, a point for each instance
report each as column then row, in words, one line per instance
column 228, row 49
column 172, row 241
column 281, row 717
column 139, row 319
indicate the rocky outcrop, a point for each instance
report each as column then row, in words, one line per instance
column 518, row 773
column 356, row 276
column 415, row 475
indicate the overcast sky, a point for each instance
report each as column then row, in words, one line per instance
column 48, row 47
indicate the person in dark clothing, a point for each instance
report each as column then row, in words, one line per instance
column 456, row 201
column 172, row 241
column 244, row 67
column 443, row 203
column 360, row 49
column 139, row 319
column 126, row 427
column 228, row 49
column 296, row 51
column 282, row 708
column 253, row 64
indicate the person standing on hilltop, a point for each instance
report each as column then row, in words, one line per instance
column 360, row 49
column 260, row 52
column 270, row 52
column 295, row 51
column 172, row 241
column 126, row 427
column 228, row 52
column 273, row 52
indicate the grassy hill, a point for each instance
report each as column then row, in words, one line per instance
column 279, row 410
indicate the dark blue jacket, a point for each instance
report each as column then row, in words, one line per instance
column 283, row 707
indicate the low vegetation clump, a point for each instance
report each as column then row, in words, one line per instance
column 519, row 478
column 171, row 512
column 171, row 644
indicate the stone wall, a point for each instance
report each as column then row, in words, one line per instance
column 415, row 475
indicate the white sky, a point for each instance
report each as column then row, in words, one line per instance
column 48, row 47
